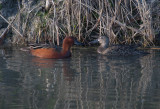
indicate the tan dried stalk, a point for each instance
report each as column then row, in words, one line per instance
column 124, row 21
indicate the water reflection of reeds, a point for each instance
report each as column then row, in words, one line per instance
column 85, row 81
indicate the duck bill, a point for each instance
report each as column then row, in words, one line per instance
column 94, row 42
column 76, row 42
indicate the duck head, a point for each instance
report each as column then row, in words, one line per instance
column 68, row 42
column 104, row 41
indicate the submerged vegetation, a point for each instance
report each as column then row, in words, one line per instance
column 124, row 21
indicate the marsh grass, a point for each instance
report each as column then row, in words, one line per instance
column 124, row 21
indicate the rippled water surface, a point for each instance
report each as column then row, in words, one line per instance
column 87, row 80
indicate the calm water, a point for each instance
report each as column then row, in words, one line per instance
column 87, row 80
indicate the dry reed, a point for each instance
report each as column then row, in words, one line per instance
column 124, row 21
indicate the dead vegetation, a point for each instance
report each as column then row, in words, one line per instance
column 124, row 21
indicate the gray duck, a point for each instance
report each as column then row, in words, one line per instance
column 124, row 50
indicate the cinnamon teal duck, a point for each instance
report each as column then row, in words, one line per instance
column 54, row 52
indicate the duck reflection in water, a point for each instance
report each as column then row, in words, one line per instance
column 61, row 65
column 2, row 52
column 123, row 50
column 2, row 39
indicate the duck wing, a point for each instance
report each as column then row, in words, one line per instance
column 39, row 46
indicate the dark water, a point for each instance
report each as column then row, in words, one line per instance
column 87, row 80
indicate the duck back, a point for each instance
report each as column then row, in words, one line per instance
column 123, row 50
